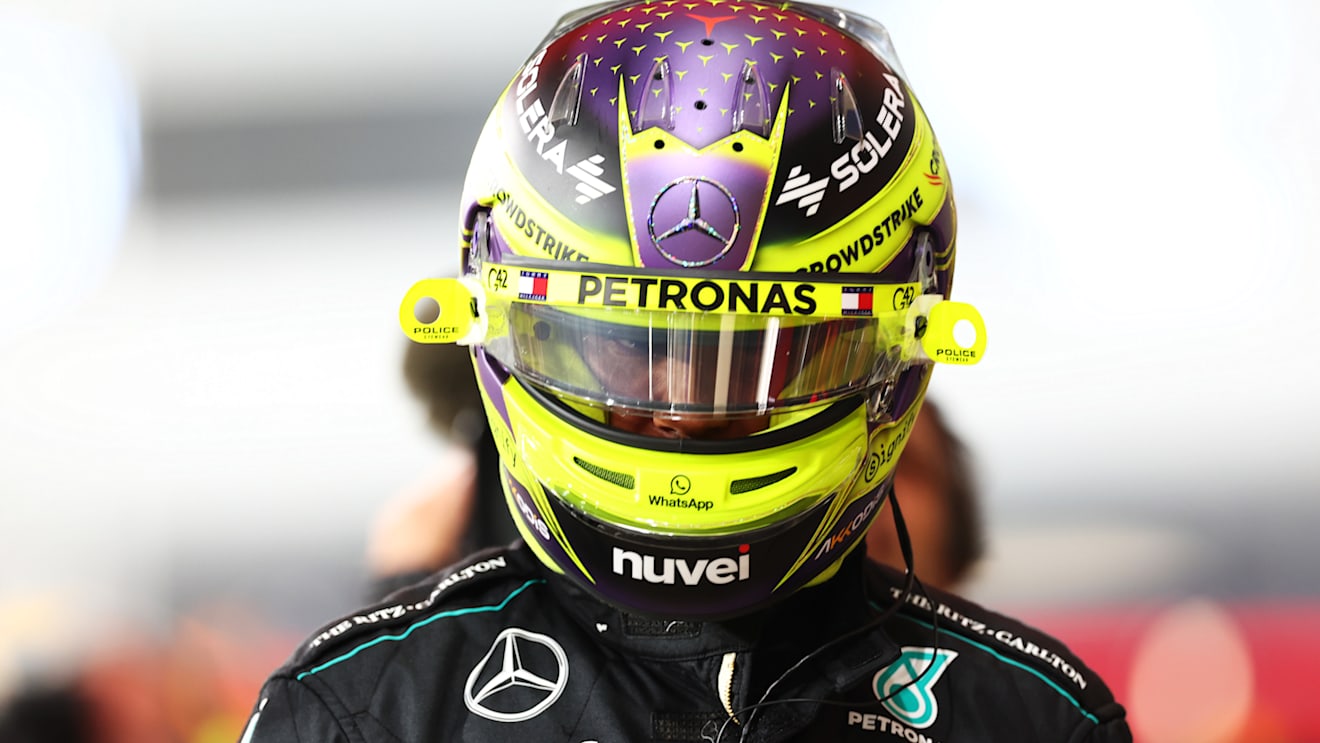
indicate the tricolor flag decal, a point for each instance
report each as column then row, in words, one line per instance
column 533, row 285
column 857, row 300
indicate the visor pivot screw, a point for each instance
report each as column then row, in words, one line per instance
column 427, row 310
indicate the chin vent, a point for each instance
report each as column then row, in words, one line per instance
column 756, row 483
column 610, row 476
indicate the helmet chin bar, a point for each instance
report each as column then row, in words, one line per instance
column 639, row 556
column 704, row 578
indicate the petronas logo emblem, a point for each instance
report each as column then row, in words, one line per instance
column 906, row 686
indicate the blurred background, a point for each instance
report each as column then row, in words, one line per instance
column 210, row 210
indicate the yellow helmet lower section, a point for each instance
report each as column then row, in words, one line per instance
column 691, row 529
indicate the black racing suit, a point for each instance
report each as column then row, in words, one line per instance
column 498, row 649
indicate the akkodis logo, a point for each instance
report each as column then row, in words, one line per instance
column 669, row 570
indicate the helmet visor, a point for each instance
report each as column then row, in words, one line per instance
column 691, row 342
column 778, row 345
column 692, row 363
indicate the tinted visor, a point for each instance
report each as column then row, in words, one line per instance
column 695, row 363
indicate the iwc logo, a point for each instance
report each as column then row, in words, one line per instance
column 906, row 687
column 694, row 221
column 521, row 675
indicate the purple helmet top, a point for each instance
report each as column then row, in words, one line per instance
column 705, row 129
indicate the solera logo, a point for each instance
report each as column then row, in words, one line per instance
column 654, row 569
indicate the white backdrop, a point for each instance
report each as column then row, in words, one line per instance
column 1136, row 186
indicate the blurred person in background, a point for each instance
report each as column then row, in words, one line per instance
column 707, row 258
column 191, row 685
column 455, row 508
column 458, row 506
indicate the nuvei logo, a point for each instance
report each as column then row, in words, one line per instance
column 668, row 570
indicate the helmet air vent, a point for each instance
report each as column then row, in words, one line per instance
column 847, row 118
column 751, row 102
column 610, row 476
column 567, row 102
column 657, row 105
column 924, row 270
column 747, row 485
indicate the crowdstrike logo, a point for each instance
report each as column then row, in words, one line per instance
column 668, row 570
column 521, row 675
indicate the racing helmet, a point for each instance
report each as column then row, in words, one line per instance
column 706, row 257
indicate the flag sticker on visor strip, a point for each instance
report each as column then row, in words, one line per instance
column 533, row 285
column 857, row 301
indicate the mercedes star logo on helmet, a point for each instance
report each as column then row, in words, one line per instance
column 521, row 675
column 694, row 236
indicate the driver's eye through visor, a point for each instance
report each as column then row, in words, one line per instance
column 719, row 343
column 689, row 362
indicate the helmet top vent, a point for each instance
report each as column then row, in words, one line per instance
column 567, row 103
column 847, row 118
column 657, row 105
column 751, row 101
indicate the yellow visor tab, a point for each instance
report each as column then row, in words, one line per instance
column 444, row 311
column 954, row 331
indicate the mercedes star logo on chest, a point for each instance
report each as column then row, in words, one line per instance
column 521, row 675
